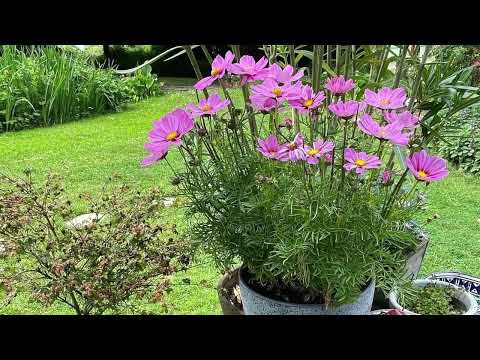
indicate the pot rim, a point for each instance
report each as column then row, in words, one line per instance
column 420, row 246
column 227, row 276
column 243, row 268
column 470, row 303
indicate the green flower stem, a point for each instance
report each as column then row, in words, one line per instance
column 317, row 66
column 382, row 63
column 196, row 68
column 294, row 111
column 391, row 199
column 329, row 55
column 347, row 61
column 418, row 78
column 291, row 49
column 245, row 92
column 344, row 145
column 400, row 64
column 337, row 59
column 354, row 53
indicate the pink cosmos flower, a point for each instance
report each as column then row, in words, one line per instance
column 249, row 70
column 386, row 176
column 360, row 161
column 391, row 132
column 338, row 85
column 427, row 168
column 406, row 118
column 386, row 98
column 308, row 100
column 269, row 147
column 319, row 149
column 347, row 109
column 208, row 106
column 156, row 153
column 284, row 76
column 263, row 103
column 167, row 131
column 219, row 66
column 293, row 151
column 272, row 89
column 328, row 157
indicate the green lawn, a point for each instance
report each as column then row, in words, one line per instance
column 86, row 152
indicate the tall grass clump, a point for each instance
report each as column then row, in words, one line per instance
column 49, row 86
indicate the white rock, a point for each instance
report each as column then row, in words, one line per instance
column 168, row 201
column 83, row 220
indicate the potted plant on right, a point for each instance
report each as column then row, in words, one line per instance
column 432, row 297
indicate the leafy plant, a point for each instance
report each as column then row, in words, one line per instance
column 462, row 148
column 142, row 84
column 128, row 251
column 50, row 85
column 431, row 300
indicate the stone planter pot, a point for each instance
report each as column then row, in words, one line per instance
column 466, row 299
column 414, row 263
column 257, row 304
column 225, row 288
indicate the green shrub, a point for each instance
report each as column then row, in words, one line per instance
column 462, row 148
column 51, row 85
column 461, row 57
column 142, row 84
column 129, row 252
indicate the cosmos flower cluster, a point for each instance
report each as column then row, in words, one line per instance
column 379, row 114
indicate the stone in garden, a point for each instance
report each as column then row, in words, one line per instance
column 83, row 221
column 3, row 248
column 168, row 201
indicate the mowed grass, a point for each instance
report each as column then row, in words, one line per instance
column 88, row 151
column 455, row 234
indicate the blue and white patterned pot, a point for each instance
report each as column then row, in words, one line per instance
column 257, row 304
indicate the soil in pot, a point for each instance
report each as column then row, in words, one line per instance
column 433, row 300
column 295, row 294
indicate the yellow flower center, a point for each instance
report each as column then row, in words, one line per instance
column 422, row 174
column 216, row 71
column 360, row 162
column 308, row 103
column 385, row 102
column 313, row 151
column 172, row 136
column 206, row 108
column 277, row 91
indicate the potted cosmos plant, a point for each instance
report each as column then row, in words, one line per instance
column 313, row 207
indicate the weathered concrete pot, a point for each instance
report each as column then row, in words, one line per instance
column 466, row 299
column 257, row 304
column 413, row 266
column 225, row 288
